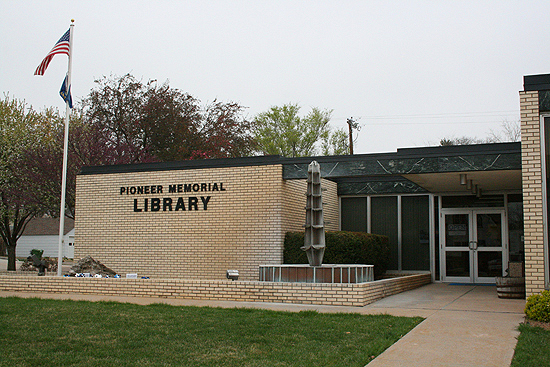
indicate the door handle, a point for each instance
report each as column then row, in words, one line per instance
column 472, row 245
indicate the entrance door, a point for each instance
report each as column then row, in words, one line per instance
column 473, row 245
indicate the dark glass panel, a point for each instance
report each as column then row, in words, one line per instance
column 457, row 233
column 415, row 228
column 489, row 230
column 471, row 201
column 384, row 222
column 489, row 263
column 457, row 263
column 354, row 214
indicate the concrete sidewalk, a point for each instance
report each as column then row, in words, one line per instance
column 465, row 325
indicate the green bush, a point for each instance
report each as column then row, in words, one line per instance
column 538, row 307
column 37, row 252
column 343, row 248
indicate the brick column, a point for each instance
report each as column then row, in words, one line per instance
column 532, row 192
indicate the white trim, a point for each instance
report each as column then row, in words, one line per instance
column 400, row 234
column 431, row 219
column 544, row 198
column 473, row 235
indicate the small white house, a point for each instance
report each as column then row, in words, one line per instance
column 43, row 234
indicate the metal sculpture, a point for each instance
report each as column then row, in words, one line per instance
column 314, row 239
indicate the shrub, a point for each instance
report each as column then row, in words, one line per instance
column 343, row 248
column 538, row 307
column 37, row 252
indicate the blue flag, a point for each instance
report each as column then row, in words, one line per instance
column 65, row 92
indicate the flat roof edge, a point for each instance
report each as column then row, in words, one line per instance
column 536, row 82
column 183, row 165
column 434, row 151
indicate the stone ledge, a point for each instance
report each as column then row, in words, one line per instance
column 359, row 294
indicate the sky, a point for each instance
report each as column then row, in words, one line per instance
column 409, row 72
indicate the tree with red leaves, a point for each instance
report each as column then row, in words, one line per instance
column 164, row 122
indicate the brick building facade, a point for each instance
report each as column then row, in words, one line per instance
column 192, row 221
column 461, row 212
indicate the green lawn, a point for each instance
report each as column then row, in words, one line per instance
column 533, row 348
column 39, row 332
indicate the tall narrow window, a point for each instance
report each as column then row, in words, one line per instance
column 415, row 226
column 354, row 214
column 384, row 221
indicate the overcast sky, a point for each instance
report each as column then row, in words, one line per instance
column 410, row 72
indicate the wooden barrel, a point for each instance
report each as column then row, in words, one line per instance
column 511, row 287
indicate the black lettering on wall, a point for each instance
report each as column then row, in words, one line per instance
column 187, row 187
column 167, row 204
column 193, row 203
column 180, row 204
column 205, row 201
column 136, row 209
column 196, row 187
column 171, row 188
column 155, row 204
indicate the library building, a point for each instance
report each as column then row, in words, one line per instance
column 463, row 213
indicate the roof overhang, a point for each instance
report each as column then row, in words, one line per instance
column 450, row 182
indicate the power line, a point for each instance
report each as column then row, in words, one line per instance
column 432, row 123
column 438, row 115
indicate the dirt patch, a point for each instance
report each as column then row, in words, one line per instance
column 544, row 325
column 91, row 266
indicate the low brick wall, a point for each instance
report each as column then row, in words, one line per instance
column 222, row 290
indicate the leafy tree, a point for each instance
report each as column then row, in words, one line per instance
column 21, row 129
column 116, row 108
column 155, row 121
column 225, row 132
column 463, row 140
column 168, row 122
column 337, row 143
column 281, row 130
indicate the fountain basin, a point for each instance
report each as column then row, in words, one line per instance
column 327, row 273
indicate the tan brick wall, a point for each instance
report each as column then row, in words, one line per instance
column 223, row 290
column 331, row 210
column 532, row 192
column 294, row 203
column 242, row 228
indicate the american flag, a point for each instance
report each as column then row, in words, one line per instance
column 61, row 47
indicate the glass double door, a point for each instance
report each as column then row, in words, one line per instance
column 473, row 245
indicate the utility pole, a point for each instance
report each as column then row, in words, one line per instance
column 352, row 125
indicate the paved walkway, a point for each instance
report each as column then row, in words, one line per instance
column 465, row 325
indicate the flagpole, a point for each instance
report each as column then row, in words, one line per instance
column 65, row 158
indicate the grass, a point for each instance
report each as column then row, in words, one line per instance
column 533, row 347
column 40, row 332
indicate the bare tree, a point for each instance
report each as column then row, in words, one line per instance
column 511, row 132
